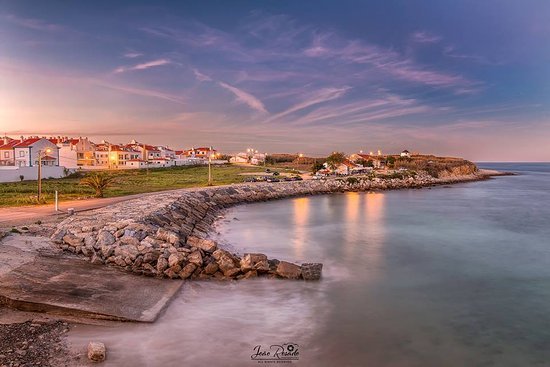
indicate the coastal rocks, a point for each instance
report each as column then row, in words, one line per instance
column 72, row 240
column 203, row 244
column 105, row 238
column 288, row 270
column 227, row 263
column 195, row 258
column 167, row 235
column 162, row 264
column 96, row 352
column 187, row 271
column 311, row 271
column 257, row 262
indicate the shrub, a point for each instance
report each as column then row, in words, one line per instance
column 21, row 177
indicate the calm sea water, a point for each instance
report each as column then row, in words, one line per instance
column 448, row 276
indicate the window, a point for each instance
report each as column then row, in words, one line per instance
column 21, row 153
column 6, row 154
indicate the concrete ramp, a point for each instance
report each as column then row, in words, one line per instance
column 73, row 287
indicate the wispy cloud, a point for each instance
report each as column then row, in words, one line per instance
column 132, row 55
column 425, row 37
column 143, row 66
column 200, row 76
column 323, row 95
column 32, row 23
column 245, row 97
column 140, row 91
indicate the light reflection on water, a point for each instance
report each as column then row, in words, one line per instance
column 455, row 276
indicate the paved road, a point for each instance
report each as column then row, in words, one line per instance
column 33, row 213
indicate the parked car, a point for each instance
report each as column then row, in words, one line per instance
column 272, row 179
column 267, row 170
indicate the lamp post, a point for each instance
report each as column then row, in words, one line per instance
column 40, row 156
column 210, row 166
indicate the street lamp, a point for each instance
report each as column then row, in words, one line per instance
column 41, row 154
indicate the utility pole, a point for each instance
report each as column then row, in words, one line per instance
column 210, row 166
column 40, row 152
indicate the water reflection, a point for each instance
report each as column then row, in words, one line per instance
column 375, row 226
column 301, row 220
column 352, row 231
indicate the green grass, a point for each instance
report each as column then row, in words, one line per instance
column 128, row 182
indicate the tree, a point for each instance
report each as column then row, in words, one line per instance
column 317, row 166
column 390, row 161
column 362, row 162
column 370, row 163
column 335, row 159
column 98, row 182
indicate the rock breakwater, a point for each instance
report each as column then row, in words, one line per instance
column 167, row 235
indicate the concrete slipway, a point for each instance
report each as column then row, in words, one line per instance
column 35, row 276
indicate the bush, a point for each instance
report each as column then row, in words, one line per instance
column 99, row 182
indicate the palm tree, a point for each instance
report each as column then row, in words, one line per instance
column 99, row 182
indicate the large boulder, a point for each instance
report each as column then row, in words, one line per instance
column 289, row 270
column 254, row 262
column 72, row 240
column 175, row 258
column 226, row 262
column 162, row 264
column 96, row 352
column 168, row 236
column 195, row 258
column 211, row 268
column 105, row 238
column 57, row 237
column 312, row 271
column 202, row 243
column 187, row 271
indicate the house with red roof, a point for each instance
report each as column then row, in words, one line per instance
column 28, row 151
column 7, row 153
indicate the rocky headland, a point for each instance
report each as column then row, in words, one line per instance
column 167, row 235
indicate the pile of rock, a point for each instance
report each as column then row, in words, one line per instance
column 134, row 247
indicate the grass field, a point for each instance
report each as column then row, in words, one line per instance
column 127, row 182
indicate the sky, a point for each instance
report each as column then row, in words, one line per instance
column 461, row 78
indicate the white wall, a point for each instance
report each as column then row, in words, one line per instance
column 11, row 173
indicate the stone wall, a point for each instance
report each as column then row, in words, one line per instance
column 166, row 234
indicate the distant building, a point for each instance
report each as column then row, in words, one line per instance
column 405, row 153
column 202, row 152
column 258, row 159
column 239, row 158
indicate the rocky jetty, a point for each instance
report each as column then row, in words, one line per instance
column 167, row 235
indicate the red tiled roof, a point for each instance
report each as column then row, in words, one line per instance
column 10, row 145
column 27, row 143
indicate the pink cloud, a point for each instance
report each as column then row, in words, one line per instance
column 245, row 97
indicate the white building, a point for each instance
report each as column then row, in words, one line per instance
column 258, row 159
column 405, row 153
column 26, row 153
column 239, row 158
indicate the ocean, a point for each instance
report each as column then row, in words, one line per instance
column 456, row 275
